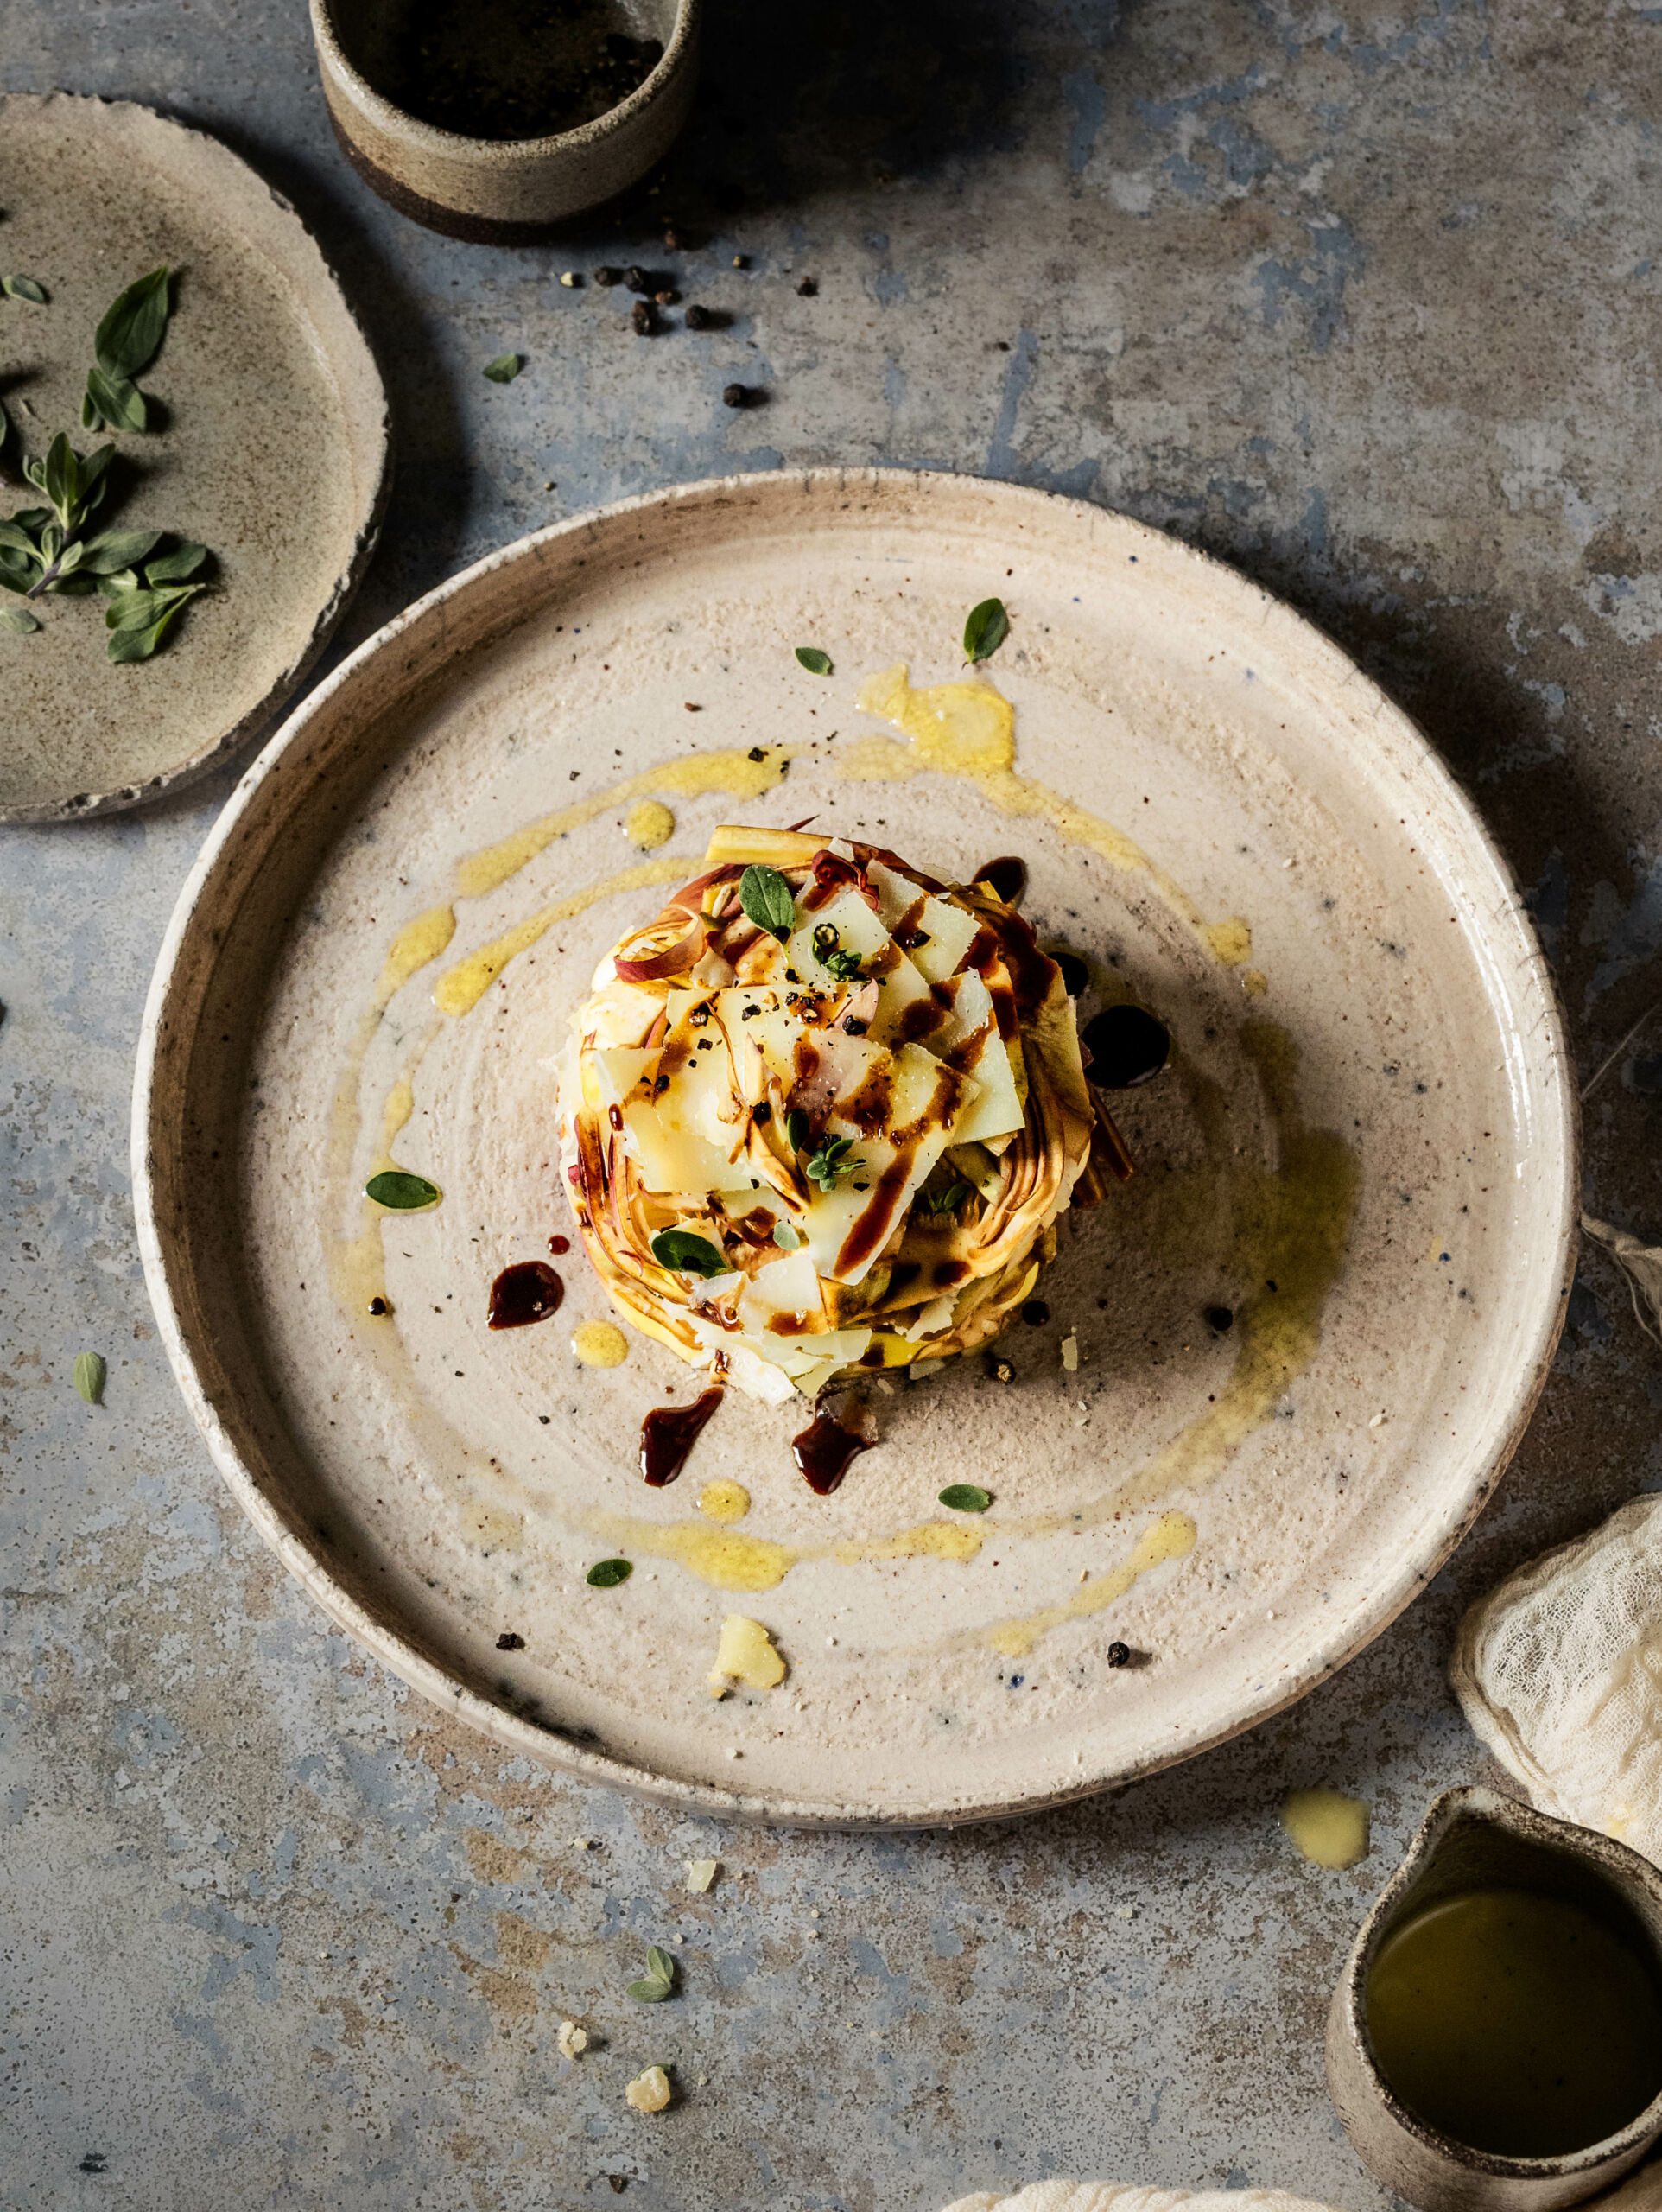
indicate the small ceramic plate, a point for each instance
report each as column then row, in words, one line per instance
column 1281, row 1368
column 271, row 444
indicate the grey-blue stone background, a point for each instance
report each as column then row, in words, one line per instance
column 1362, row 297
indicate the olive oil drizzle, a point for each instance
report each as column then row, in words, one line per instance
column 1294, row 1226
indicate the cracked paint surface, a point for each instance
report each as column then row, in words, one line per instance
column 1361, row 297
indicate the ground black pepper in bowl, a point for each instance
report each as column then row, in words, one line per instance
column 501, row 69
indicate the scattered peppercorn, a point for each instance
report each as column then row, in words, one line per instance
column 1035, row 1313
column 637, row 279
column 666, row 298
column 608, row 277
column 644, row 317
column 807, row 289
column 999, row 1371
column 508, row 1641
column 700, row 318
column 378, row 1307
column 1119, row 1655
column 757, row 752
column 738, row 395
column 1220, row 1318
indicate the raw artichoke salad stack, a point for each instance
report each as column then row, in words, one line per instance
column 823, row 1115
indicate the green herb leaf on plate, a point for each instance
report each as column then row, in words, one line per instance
column 788, row 1237
column 831, row 1161
column 23, row 287
column 986, row 630
column 504, row 368
column 112, row 550
column 112, row 403
column 19, row 621
column 815, row 662
column 838, row 963
column 947, row 1201
column 658, row 1981
column 174, row 566
column 796, row 1129
column 141, row 619
column 684, row 1254
column 90, row 1371
column 401, row 1193
column 607, row 1573
column 129, row 337
column 966, row 1497
column 767, row 899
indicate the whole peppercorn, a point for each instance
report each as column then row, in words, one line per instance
column 807, row 289
column 644, row 317
column 637, row 280
column 1119, row 1655
column 608, row 277
column 666, row 298
column 735, row 395
column 700, row 318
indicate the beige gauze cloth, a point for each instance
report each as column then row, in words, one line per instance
column 1560, row 1671
column 1640, row 2192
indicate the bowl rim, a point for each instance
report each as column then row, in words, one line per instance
column 398, row 123
column 1476, row 1804
column 1553, row 1089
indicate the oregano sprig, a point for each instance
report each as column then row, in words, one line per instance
column 147, row 576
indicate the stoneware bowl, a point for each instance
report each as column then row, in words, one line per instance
column 502, row 192
column 1472, row 1838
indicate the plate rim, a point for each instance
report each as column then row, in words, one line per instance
column 1553, row 1088
column 371, row 512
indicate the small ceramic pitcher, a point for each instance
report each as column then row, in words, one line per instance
column 1473, row 1838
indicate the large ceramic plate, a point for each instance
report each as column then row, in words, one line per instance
column 1363, row 1150
column 268, row 443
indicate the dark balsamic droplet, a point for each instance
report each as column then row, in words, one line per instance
column 527, row 1292
column 824, row 1450
column 1006, row 877
column 1124, row 1045
column 558, row 1245
column 1220, row 1318
column 1035, row 1313
column 668, row 1434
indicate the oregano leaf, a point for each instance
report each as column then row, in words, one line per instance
column 129, row 337
column 767, row 899
column 986, row 630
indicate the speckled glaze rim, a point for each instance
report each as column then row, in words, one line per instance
column 579, row 169
column 205, row 913
column 375, row 475
column 1479, row 2176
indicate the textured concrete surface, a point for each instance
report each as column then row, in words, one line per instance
column 1361, row 297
